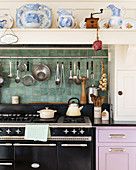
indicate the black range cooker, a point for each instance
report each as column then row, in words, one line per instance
column 70, row 147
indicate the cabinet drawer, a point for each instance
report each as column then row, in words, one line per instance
column 6, row 151
column 117, row 135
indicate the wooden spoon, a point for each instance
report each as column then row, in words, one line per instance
column 102, row 100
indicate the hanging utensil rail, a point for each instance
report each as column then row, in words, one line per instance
column 52, row 57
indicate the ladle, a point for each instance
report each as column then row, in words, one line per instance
column 17, row 79
column 10, row 73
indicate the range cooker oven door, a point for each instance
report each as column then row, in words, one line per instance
column 6, row 156
column 41, row 156
column 75, row 156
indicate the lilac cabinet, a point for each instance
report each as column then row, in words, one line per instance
column 115, row 148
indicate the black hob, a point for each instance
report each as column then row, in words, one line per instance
column 74, row 119
column 25, row 118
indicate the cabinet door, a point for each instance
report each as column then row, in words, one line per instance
column 75, row 156
column 126, row 92
column 35, row 156
column 116, row 158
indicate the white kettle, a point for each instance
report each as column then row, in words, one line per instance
column 74, row 109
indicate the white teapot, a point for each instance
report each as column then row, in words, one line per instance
column 74, row 109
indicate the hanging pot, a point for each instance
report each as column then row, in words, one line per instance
column 97, row 44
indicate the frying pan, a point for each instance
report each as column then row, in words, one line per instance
column 28, row 79
column 41, row 72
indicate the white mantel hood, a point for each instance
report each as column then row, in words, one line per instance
column 73, row 36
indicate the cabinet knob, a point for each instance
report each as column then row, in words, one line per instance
column 120, row 93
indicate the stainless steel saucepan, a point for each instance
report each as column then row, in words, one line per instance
column 41, row 72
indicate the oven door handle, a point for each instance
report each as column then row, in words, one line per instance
column 6, row 164
column 6, row 144
column 74, row 145
column 19, row 144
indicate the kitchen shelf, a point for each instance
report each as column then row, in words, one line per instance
column 73, row 36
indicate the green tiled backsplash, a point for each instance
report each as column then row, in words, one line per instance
column 47, row 91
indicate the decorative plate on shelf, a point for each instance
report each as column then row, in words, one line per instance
column 6, row 21
column 129, row 24
column 104, row 24
column 82, row 24
column 33, row 16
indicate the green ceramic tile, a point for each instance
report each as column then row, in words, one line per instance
column 105, row 52
column 22, row 99
column 75, row 52
column 75, row 91
column 13, row 52
column 60, row 53
column 21, row 52
column 5, row 52
column 5, row 91
column 91, row 53
column 37, row 53
column 21, row 91
column 36, row 99
column 52, row 99
column 44, row 91
column 59, row 91
column 59, row 99
column 44, row 84
column 52, row 53
column 44, row 53
column 66, row 98
column 52, row 91
column 13, row 92
column 29, row 53
column 5, row 99
column 36, row 61
column 36, row 91
column 29, row 99
column 44, row 98
column 68, row 91
column 28, row 91
column 52, row 84
column 83, row 52
column 13, row 83
column 67, row 53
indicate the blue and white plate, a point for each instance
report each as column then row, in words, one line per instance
column 33, row 16
column 6, row 21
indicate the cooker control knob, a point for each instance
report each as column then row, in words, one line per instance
column 18, row 131
column 1, row 130
column 66, row 131
column 82, row 131
column 8, row 131
column 74, row 131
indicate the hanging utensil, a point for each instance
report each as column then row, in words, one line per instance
column 10, row 72
column 41, row 72
column 87, row 70
column 70, row 80
column 17, row 79
column 97, row 44
column 62, row 79
column 28, row 79
column 74, row 76
column 22, row 66
column 83, row 99
column 92, row 73
column 57, row 76
column 78, row 80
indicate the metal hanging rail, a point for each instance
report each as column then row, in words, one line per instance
column 51, row 57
